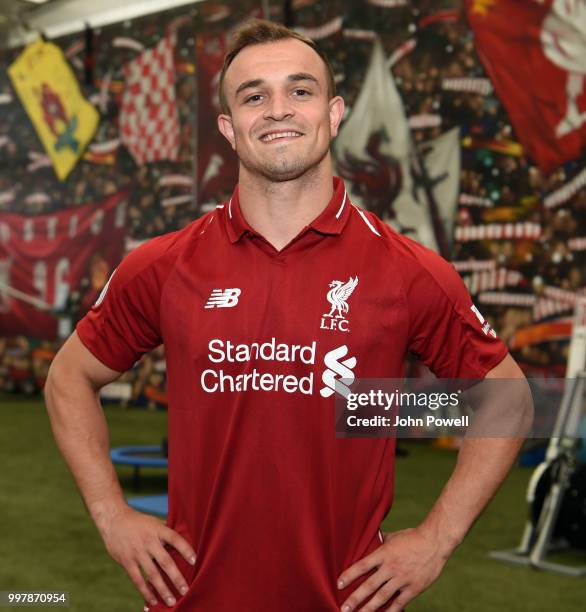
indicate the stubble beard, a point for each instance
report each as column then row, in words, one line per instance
column 283, row 167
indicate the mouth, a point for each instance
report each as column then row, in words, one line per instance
column 280, row 136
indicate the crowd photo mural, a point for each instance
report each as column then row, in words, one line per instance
column 108, row 138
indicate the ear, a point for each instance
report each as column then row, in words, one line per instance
column 227, row 129
column 336, row 113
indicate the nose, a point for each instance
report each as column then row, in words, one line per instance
column 279, row 108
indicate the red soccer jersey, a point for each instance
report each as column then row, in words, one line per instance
column 276, row 506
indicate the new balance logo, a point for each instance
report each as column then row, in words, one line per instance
column 223, row 298
column 336, row 370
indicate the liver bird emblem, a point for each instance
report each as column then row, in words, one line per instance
column 338, row 295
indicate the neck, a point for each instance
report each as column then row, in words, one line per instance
column 280, row 210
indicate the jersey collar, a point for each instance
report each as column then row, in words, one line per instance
column 330, row 221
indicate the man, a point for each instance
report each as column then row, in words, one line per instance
column 268, row 510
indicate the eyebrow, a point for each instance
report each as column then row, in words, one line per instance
column 302, row 76
column 292, row 78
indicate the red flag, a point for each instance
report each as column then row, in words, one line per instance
column 535, row 55
column 217, row 164
column 149, row 123
column 44, row 258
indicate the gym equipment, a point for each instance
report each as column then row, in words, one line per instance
column 557, row 490
column 138, row 457
column 151, row 504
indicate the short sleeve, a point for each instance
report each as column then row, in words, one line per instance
column 447, row 332
column 123, row 324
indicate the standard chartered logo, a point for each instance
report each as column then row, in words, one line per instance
column 253, row 377
column 336, row 370
column 295, row 365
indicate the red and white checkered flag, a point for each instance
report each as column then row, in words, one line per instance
column 149, row 123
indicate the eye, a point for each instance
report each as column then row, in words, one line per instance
column 301, row 93
column 253, row 99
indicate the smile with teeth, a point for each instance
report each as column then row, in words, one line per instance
column 275, row 135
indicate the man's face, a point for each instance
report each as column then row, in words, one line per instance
column 282, row 120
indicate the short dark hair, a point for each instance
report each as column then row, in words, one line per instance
column 261, row 31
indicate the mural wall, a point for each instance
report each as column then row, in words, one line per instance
column 448, row 136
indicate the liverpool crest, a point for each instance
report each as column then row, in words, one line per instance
column 338, row 296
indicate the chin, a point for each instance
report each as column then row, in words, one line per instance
column 280, row 174
column 279, row 170
column 291, row 169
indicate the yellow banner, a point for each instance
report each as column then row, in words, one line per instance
column 65, row 121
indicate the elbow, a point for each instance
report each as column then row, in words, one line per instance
column 52, row 384
column 523, row 426
column 529, row 412
column 524, row 406
column 57, row 384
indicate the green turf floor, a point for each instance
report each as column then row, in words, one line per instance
column 47, row 541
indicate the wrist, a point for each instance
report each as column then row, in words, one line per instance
column 446, row 538
column 104, row 512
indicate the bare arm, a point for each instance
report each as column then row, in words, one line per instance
column 482, row 465
column 79, row 426
column 409, row 561
column 132, row 539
